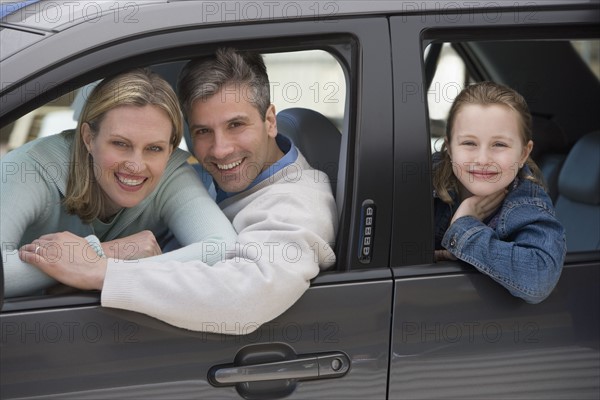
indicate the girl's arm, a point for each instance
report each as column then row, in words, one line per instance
column 524, row 254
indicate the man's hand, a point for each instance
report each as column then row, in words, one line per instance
column 479, row 207
column 139, row 245
column 67, row 258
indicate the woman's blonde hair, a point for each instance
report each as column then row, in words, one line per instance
column 138, row 87
column 483, row 93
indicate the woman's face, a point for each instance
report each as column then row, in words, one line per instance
column 486, row 148
column 130, row 153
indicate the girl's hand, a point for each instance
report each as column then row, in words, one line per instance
column 443, row 255
column 139, row 245
column 479, row 207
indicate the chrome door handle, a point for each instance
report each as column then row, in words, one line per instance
column 311, row 367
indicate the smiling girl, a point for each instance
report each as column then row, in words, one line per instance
column 491, row 209
column 119, row 180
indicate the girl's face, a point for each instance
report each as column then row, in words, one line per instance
column 486, row 148
column 130, row 153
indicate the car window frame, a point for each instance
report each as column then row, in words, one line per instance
column 340, row 40
column 414, row 250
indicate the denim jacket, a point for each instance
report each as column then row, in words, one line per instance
column 522, row 245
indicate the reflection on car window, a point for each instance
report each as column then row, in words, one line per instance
column 51, row 118
column 589, row 50
column 310, row 79
column 449, row 79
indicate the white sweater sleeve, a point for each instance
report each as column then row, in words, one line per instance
column 195, row 219
column 285, row 234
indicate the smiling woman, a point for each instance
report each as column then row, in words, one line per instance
column 130, row 151
column 119, row 179
column 128, row 128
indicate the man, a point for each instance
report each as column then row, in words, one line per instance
column 283, row 210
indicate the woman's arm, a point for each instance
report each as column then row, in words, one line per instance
column 25, row 199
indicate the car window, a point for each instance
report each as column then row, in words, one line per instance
column 589, row 50
column 51, row 118
column 451, row 75
column 559, row 100
column 310, row 79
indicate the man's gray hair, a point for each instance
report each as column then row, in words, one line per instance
column 203, row 77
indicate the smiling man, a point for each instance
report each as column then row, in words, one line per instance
column 283, row 210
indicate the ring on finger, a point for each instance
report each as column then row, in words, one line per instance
column 37, row 249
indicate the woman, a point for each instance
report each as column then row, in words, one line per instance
column 491, row 209
column 119, row 180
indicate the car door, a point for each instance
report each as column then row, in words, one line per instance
column 334, row 342
column 457, row 333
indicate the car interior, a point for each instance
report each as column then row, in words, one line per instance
column 578, row 201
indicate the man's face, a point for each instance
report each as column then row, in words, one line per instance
column 231, row 140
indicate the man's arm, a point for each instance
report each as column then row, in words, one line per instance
column 285, row 235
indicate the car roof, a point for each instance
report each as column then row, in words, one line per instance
column 44, row 32
column 59, row 15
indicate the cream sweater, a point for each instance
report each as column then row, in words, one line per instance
column 286, row 227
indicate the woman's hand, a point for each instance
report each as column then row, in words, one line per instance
column 68, row 258
column 139, row 245
column 479, row 207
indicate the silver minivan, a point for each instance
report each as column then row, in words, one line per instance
column 388, row 322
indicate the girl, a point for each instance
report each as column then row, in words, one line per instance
column 491, row 210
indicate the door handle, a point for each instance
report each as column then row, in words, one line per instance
column 328, row 365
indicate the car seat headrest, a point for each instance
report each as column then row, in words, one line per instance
column 579, row 178
column 316, row 136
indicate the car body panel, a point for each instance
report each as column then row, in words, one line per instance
column 83, row 352
column 470, row 338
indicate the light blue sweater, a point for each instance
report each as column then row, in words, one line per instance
column 34, row 181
